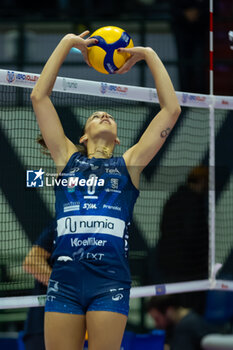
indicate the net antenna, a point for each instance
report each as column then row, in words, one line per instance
column 212, row 267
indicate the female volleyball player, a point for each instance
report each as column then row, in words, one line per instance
column 90, row 282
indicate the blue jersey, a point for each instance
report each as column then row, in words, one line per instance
column 94, row 205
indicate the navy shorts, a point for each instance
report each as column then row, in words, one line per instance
column 85, row 291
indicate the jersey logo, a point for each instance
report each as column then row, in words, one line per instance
column 114, row 171
column 90, row 224
column 64, row 258
column 117, row 297
column 53, row 286
column 114, row 183
column 73, row 206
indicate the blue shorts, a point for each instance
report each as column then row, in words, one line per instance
column 86, row 291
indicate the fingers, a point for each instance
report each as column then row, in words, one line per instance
column 137, row 51
column 136, row 54
column 125, row 68
column 85, row 56
column 91, row 41
column 123, row 49
column 86, row 32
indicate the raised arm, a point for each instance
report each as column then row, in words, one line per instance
column 52, row 131
column 156, row 133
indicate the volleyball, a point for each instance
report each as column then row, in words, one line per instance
column 104, row 56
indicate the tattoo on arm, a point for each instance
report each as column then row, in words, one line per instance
column 165, row 132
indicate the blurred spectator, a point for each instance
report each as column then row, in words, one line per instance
column 183, row 243
column 182, row 249
column 184, row 327
column 37, row 263
column 190, row 25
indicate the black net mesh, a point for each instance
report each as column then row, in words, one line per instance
column 169, row 231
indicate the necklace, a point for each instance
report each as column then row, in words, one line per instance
column 104, row 150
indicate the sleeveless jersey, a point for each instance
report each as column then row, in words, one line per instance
column 94, row 204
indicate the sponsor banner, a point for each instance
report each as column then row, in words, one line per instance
column 69, row 84
column 223, row 102
column 194, row 100
column 79, row 86
column 21, row 79
column 90, row 224
column 128, row 92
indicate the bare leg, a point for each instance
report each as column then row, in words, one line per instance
column 105, row 330
column 64, row 331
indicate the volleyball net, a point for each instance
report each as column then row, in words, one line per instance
column 176, row 244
